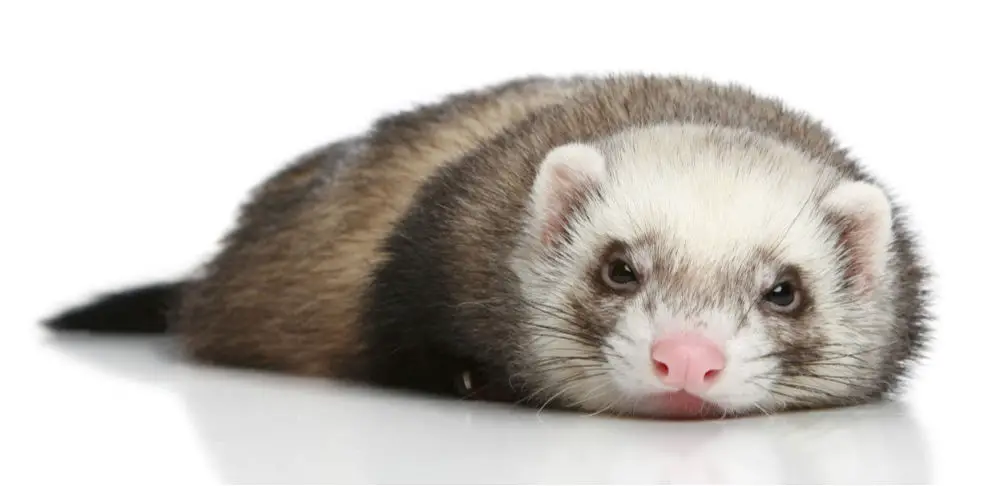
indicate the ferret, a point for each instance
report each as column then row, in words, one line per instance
column 639, row 245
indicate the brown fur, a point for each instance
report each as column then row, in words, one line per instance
column 287, row 291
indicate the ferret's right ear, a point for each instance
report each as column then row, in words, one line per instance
column 567, row 175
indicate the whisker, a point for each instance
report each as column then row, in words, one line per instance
column 824, row 358
column 778, row 374
column 566, row 337
column 618, row 332
column 762, row 409
column 584, row 374
column 589, row 394
column 772, row 391
column 806, row 388
column 567, row 385
column 564, row 390
column 554, row 366
column 832, row 379
column 606, row 408
column 572, row 330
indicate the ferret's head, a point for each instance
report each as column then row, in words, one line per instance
column 688, row 270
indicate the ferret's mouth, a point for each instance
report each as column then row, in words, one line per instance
column 683, row 405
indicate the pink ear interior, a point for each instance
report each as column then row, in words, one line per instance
column 861, row 213
column 568, row 194
column 860, row 267
column 566, row 177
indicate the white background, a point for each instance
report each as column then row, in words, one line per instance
column 131, row 131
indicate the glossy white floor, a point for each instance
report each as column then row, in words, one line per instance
column 131, row 134
column 243, row 427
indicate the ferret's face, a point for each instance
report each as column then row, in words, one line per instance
column 697, row 272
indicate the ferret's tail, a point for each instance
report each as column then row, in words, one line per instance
column 137, row 310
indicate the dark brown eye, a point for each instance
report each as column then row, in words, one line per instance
column 620, row 276
column 783, row 297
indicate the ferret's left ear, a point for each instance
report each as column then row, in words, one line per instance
column 565, row 178
column 863, row 216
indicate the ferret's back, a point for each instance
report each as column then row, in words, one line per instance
column 285, row 292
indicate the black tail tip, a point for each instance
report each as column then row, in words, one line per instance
column 138, row 310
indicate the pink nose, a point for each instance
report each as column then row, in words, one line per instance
column 688, row 361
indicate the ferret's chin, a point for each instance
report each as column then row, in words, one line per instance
column 678, row 406
column 683, row 406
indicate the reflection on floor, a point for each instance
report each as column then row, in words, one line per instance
column 265, row 428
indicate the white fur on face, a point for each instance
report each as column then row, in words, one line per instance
column 711, row 199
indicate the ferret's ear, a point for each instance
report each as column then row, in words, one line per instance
column 566, row 176
column 863, row 216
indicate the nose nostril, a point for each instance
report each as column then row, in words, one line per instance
column 661, row 368
column 711, row 374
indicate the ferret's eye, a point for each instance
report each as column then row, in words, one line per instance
column 619, row 275
column 783, row 296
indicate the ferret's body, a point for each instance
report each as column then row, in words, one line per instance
column 315, row 236
column 447, row 250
